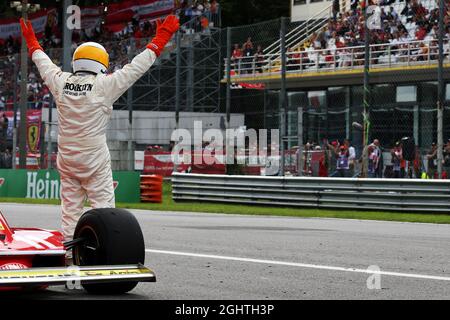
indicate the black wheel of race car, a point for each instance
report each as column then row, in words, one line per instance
column 111, row 237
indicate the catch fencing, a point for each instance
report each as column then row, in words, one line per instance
column 316, row 93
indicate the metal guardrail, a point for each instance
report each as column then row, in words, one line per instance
column 405, row 195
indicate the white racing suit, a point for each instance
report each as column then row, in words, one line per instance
column 84, row 103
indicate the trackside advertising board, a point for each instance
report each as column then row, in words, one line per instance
column 45, row 184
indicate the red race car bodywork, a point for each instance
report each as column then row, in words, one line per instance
column 32, row 257
column 20, row 248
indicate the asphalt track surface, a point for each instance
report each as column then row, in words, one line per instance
column 215, row 256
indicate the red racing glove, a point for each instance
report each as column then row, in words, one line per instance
column 164, row 32
column 30, row 37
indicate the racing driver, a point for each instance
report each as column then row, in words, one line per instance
column 84, row 101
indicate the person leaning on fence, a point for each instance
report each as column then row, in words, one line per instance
column 432, row 161
column 397, row 159
column 379, row 154
column 323, row 163
column 417, row 163
column 247, row 59
column 373, row 161
column 236, row 57
column 291, row 62
column 351, row 156
column 342, row 162
column 259, row 59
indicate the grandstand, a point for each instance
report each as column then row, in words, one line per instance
column 324, row 43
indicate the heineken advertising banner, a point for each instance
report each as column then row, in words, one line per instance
column 45, row 184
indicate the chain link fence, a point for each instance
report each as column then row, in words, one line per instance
column 317, row 101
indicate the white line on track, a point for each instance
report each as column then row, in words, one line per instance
column 300, row 265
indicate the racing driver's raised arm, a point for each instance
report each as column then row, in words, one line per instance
column 115, row 84
column 47, row 69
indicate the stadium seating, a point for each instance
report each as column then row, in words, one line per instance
column 407, row 36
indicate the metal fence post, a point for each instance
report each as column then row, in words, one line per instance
column 67, row 38
column 228, row 93
column 228, row 75
column 41, row 147
column 14, row 142
column 177, row 89
column 366, row 90
column 300, row 141
column 177, row 80
column 23, row 97
column 441, row 91
column 49, row 141
column 282, row 99
column 130, row 157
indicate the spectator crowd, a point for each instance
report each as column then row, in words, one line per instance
column 410, row 31
column 246, row 58
column 414, row 23
column 404, row 160
column 120, row 46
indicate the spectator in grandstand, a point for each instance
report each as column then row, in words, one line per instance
column 247, row 59
column 397, row 159
column 330, row 59
column 423, row 52
column 259, row 59
column 345, row 57
column 292, row 60
column 248, row 43
column 421, row 31
column 447, row 47
column 182, row 12
column 407, row 10
column 304, row 60
column 236, row 58
column 214, row 9
column 336, row 8
column 204, row 23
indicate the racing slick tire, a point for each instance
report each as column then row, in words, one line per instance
column 111, row 237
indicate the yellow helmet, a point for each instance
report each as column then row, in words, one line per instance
column 90, row 57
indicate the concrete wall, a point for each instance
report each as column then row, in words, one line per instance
column 154, row 127
column 303, row 12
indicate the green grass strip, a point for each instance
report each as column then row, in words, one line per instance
column 170, row 205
